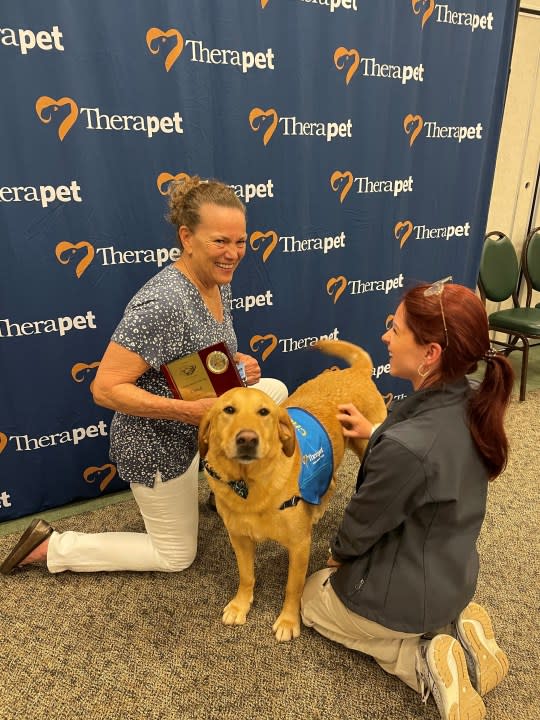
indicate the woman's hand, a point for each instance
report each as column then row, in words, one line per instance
column 251, row 367
column 193, row 411
column 354, row 424
column 331, row 562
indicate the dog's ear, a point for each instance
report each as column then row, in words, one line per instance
column 204, row 432
column 287, row 434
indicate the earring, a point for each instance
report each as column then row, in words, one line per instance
column 422, row 371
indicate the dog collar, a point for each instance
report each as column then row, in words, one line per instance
column 291, row 502
column 238, row 486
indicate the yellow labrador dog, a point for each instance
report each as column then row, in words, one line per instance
column 253, row 462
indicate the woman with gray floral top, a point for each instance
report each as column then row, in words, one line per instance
column 182, row 309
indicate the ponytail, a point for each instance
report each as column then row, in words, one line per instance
column 486, row 411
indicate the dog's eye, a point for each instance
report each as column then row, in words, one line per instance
column 229, row 410
column 264, row 411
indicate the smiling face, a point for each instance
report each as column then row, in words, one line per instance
column 406, row 355
column 213, row 250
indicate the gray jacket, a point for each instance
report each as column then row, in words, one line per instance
column 408, row 537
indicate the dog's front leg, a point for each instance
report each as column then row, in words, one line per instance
column 236, row 611
column 287, row 626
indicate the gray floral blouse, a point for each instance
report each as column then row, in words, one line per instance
column 166, row 319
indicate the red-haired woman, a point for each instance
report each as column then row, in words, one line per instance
column 403, row 566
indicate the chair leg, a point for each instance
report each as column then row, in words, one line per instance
column 524, row 366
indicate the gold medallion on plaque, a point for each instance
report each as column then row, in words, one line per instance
column 217, row 362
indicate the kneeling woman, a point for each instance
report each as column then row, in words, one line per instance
column 403, row 566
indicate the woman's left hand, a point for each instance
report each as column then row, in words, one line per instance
column 251, row 367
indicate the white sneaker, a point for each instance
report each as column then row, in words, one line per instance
column 442, row 672
column 487, row 663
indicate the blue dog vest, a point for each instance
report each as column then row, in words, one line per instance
column 317, row 456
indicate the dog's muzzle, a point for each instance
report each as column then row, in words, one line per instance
column 247, row 445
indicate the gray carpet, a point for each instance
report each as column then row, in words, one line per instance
column 152, row 647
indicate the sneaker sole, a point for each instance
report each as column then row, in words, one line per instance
column 475, row 633
column 448, row 660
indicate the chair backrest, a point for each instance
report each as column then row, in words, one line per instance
column 499, row 268
column 530, row 262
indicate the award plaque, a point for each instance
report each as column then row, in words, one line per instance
column 207, row 373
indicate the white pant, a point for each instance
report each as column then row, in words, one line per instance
column 170, row 511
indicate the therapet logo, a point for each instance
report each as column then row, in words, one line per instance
column 268, row 241
column 343, row 181
column 245, row 191
column 424, row 8
column 82, row 371
column 3, row 442
column 45, row 106
column 65, row 252
column 74, row 435
column 165, row 179
column 60, row 325
column 370, row 67
column 413, row 125
column 103, row 475
column 269, row 120
column 405, row 228
column 336, row 286
column 245, row 59
column 347, row 59
column 247, row 302
column 80, row 255
column 27, row 40
column 331, row 5
column 444, row 14
column 44, row 194
column 266, row 344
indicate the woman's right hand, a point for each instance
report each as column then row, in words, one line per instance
column 193, row 411
column 354, row 424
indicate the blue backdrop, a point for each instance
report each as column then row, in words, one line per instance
column 360, row 133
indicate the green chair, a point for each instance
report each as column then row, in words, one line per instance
column 498, row 280
column 530, row 264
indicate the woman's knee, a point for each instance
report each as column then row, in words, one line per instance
column 179, row 560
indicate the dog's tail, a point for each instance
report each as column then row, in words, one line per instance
column 352, row 354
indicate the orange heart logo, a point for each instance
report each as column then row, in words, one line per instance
column 256, row 114
column 340, row 280
column 3, row 441
column 389, row 322
column 157, row 34
column 334, row 182
column 388, row 398
column 342, row 53
column 91, row 474
column 257, row 339
column 81, row 370
column 165, row 177
column 255, row 244
column 409, row 120
column 66, row 247
column 417, row 7
column 398, row 227
column 44, row 102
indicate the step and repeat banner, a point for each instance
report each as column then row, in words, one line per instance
column 361, row 135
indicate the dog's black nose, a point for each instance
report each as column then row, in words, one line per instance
column 247, row 440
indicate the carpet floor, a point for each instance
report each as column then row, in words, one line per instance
column 152, row 646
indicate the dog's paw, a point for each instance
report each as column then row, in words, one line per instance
column 235, row 614
column 285, row 628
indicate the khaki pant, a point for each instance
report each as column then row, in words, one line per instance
column 394, row 651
